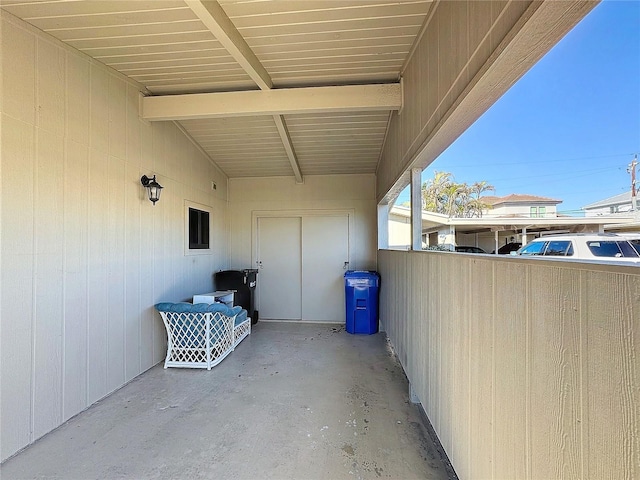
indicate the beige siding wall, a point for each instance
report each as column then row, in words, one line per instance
column 450, row 53
column 84, row 256
column 470, row 54
column 526, row 368
column 352, row 193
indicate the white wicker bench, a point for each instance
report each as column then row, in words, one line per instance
column 201, row 335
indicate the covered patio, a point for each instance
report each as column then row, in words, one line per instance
column 287, row 128
column 293, row 401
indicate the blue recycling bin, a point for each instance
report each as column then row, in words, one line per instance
column 361, row 294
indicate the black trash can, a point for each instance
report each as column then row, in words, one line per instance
column 244, row 283
column 361, row 295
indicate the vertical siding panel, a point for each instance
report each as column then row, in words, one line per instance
column 116, row 278
column 132, row 267
column 613, row 376
column 77, row 255
column 117, row 117
column 481, row 354
column 147, row 295
column 436, row 346
column 18, row 73
column 160, row 273
column 510, row 371
column 460, row 417
column 554, row 382
column 17, row 282
column 50, row 87
column 459, row 57
column 555, row 372
column 446, row 72
column 427, row 334
column 75, row 283
column 99, row 109
column 133, row 135
column 77, row 99
column 479, row 46
column 49, row 246
column 432, row 45
column 97, row 275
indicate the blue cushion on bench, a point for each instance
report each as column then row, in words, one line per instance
column 241, row 317
column 185, row 307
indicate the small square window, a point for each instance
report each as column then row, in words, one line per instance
column 198, row 229
column 533, row 212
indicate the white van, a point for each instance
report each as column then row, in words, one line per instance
column 593, row 246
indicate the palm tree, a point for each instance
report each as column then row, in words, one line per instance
column 433, row 199
column 442, row 194
column 477, row 189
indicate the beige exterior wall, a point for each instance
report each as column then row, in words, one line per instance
column 354, row 194
column 526, row 368
column 522, row 210
column 470, row 54
column 439, row 72
column 84, row 255
column 399, row 228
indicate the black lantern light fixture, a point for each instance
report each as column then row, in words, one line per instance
column 153, row 188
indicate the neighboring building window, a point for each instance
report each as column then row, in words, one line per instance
column 533, row 213
column 198, row 229
column 542, row 211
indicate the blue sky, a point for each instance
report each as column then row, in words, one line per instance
column 570, row 126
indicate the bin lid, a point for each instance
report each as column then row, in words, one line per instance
column 361, row 274
column 361, row 278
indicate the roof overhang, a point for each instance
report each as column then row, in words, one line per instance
column 434, row 221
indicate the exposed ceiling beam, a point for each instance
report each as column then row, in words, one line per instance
column 288, row 146
column 217, row 21
column 348, row 98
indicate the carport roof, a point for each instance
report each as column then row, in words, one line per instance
column 434, row 221
column 267, row 56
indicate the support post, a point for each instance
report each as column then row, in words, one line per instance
column 383, row 227
column 416, row 209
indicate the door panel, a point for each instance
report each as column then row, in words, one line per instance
column 325, row 249
column 279, row 254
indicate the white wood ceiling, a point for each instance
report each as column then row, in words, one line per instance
column 165, row 46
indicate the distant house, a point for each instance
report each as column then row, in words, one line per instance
column 520, row 206
column 513, row 218
column 617, row 204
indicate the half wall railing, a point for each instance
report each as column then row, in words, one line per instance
column 526, row 368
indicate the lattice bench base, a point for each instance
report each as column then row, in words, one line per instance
column 202, row 335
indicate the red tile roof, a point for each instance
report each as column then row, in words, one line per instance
column 518, row 198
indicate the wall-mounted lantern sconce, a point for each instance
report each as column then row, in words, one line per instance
column 153, row 188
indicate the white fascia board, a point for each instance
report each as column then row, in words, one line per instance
column 348, row 98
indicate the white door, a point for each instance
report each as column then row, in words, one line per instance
column 325, row 251
column 279, row 263
column 302, row 261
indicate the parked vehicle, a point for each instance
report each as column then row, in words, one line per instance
column 633, row 238
column 468, row 249
column 603, row 247
column 508, row 248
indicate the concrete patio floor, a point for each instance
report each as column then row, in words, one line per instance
column 293, row 401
